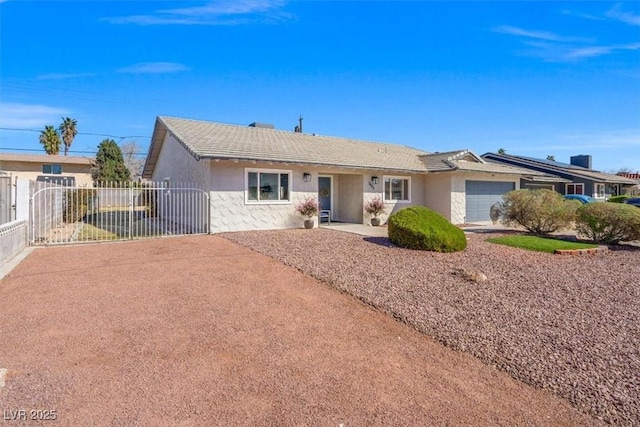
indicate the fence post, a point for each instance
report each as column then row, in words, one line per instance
column 130, row 184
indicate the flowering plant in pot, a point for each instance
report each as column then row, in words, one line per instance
column 375, row 207
column 308, row 208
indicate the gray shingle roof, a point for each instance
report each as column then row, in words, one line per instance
column 210, row 140
column 466, row 160
column 436, row 162
column 558, row 167
column 223, row 141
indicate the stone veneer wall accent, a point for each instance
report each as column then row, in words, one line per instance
column 230, row 212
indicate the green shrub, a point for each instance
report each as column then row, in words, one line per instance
column 539, row 211
column 608, row 222
column 618, row 199
column 76, row 204
column 417, row 227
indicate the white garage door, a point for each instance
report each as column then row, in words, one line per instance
column 481, row 195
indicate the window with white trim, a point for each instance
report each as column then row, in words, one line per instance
column 575, row 189
column 268, row 186
column 397, row 188
column 600, row 190
column 52, row 169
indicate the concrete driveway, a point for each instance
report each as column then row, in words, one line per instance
column 202, row 331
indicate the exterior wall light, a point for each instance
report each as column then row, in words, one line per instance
column 375, row 179
column 306, row 177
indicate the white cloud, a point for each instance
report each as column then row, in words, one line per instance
column 153, row 68
column 222, row 12
column 229, row 7
column 536, row 34
column 552, row 47
column 581, row 15
column 63, row 76
column 29, row 116
column 592, row 51
column 628, row 17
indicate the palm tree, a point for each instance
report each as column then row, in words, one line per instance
column 68, row 130
column 50, row 140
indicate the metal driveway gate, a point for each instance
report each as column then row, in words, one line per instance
column 119, row 211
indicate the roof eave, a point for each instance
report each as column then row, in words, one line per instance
column 311, row 164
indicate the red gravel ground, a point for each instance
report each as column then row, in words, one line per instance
column 202, row 331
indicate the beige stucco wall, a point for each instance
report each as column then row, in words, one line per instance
column 31, row 171
column 371, row 190
column 231, row 211
column 437, row 193
column 177, row 164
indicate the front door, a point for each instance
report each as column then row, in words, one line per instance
column 324, row 193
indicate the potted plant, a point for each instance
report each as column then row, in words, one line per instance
column 375, row 207
column 308, row 208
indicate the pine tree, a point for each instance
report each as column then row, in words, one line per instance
column 109, row 166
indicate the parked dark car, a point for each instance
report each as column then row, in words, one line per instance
column 580, row 197
column 635, row 201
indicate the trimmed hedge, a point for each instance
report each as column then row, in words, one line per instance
column 617, row 199
column 608, row 222
column 420, row 228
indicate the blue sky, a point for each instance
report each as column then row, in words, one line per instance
column 535, row 78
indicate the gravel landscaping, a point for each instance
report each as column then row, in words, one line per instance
column 565, row 324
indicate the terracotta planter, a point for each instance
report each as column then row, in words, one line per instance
column 375, row 221
column 308, row 224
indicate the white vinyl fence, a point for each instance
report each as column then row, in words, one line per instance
column 117, row 211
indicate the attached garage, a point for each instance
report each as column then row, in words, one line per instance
column 481, row 195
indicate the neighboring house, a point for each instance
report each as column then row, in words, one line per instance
column 634, row 190
column 255, row 175
column 62, row 170
column 576, row 177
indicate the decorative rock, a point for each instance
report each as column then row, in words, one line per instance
column 470, row 275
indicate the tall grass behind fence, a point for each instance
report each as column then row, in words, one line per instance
column 128, row 210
